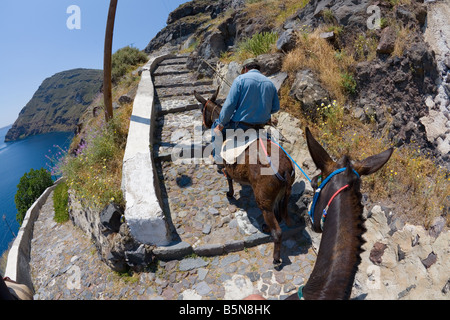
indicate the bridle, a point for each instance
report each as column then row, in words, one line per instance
column 317, row 194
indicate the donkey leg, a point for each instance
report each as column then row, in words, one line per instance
column 276, row 234
column 284, row 208
column 230, row 193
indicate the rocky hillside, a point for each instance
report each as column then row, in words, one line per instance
column 395, row 74
column 58, row 103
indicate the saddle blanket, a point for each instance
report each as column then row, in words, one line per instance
column 236, row 145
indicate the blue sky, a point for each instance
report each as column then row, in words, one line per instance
column 36, row 42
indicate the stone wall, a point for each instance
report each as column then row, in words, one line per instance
column 112, row 238
column 403, row 261
column 18, row 267
column 143, row 213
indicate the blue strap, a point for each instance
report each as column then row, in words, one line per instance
column 292, row 160
column 300, row 293
column 322, row 185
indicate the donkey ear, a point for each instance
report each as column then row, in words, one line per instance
column 373, row 163
column 214, row 97
column 199, row 98
column 318, row 154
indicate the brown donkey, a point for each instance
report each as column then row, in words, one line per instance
column 339, row 202
column 271, row 193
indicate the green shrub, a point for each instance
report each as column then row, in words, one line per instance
column 95, row 173
column 123, row 60
column 29, row 189
column 60, row 203
column 348, row 83
column 260, row 43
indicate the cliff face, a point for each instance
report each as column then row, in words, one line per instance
column 58, row 103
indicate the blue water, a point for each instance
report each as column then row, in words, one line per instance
column 19, row 157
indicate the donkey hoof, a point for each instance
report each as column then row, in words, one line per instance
column 230, row 195
column 277, row 264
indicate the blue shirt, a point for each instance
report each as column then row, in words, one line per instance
column 252, row 99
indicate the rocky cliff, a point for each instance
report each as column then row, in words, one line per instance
column 58, row 103
column 400, row 77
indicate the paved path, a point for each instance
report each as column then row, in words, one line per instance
column 65, row 263
column 65, row 266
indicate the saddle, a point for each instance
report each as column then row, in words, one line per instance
column 236, row 145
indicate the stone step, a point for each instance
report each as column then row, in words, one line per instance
column 205, row 219
column 174, row 61
column 159, row 85
column 186, row 93
column 179, row 108
column 169, row 72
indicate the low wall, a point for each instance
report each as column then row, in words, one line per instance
column 18, row 264
column 143, row 213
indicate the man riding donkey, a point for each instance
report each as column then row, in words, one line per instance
column 252, row 99
column 247, row 109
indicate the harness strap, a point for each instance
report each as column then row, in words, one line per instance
column 322, row 185
column 300, row 293
column 325, row 211
column 277, row 174
column 204, row 113
column 289, row 156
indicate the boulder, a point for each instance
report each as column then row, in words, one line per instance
column 387, row 41
column 111, row 216
column 287, row 41
column 308, row 90
column 271, row 63
column 125, row 99
column 139, row 258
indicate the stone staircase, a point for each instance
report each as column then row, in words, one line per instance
column 193, row 193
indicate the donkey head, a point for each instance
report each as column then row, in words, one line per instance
column 327, row 166
column 208, row 107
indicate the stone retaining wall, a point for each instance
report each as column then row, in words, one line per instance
column 18, row 264
column 143, row 213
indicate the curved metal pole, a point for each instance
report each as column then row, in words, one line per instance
column 107, row 62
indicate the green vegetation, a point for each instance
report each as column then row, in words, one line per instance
column 60, row 203
column 93, row 167
column 124, row 60
column 259, row 43
column 95, row 173
column 348, row 83
column 29, row 189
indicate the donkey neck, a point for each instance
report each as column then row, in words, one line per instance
column 340, row 248
column 210, row 113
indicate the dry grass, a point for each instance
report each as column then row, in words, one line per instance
column 275, row 12
column 317, row 54
column 401, row 40
column 410, row 183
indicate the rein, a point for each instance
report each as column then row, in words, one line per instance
column 277, row 174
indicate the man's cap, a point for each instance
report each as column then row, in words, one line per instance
column 250, row 62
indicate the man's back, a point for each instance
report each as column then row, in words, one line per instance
column 252, row 99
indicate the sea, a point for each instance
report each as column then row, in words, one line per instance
column 17, row 158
